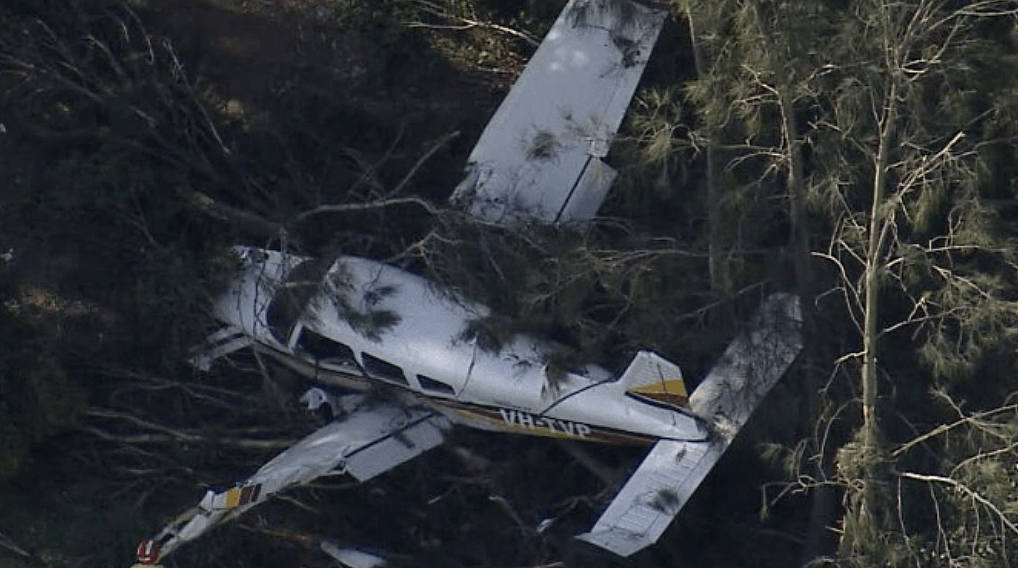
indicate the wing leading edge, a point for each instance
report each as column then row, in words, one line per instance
column 726, row 398
column 369, row 438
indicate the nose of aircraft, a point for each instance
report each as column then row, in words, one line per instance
column 245, row 304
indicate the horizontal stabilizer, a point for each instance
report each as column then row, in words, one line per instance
column 751, row 365
column 673, row 469
column 654, row 494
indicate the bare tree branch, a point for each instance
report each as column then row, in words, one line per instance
column 1001, row 516
column 465, row 23
column 9, row 544
column 350, row 207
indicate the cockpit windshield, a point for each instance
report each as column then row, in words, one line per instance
column 292, row 296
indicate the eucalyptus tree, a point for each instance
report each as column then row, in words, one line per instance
column 907, row 110
column 883, row 122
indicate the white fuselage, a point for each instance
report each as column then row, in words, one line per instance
column 357, row 323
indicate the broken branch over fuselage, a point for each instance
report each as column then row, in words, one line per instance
column 358, row 323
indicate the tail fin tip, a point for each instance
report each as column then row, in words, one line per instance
column 653, row 378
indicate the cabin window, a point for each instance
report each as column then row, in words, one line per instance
column 383, row 369
column 430, row 384
column 325, row 350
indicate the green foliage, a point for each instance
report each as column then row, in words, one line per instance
column 360, row 310
column 487, row 34
column 896, row 102
column 387, row 47
column 600, row 297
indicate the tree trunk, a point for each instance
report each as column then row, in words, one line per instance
column 879, row 227
column 715, row 263
column 868, row 511
column 822, row 497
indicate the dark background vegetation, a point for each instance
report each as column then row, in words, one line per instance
column 140, row 138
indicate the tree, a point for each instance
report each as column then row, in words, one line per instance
column 900, row 119
column 898, row 156
column 760, row 91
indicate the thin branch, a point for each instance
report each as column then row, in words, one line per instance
column 9, row 544
column 465, row 23
column 220, row 210
column 985, row 455
column 948, row 427
column 420, row 161
column 580, row 454
column 350, row 207
column 179, row 437
column 964, row 489
column 170, row 435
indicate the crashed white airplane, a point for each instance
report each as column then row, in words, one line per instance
column 357, row 324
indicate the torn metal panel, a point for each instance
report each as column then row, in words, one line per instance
column 353, row 557
column 223, row 342
column 539, row 159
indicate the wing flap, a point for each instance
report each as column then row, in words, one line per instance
column 409, row 443
column 583, row 203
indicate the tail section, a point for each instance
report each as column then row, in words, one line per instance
column 751, row 365
column 673, row 469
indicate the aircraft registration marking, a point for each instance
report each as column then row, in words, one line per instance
column 529, row 421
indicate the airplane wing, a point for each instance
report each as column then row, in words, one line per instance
column 726, row 398
column 368, row 437
column 539, row 159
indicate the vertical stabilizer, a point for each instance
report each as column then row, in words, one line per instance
column 652, row 378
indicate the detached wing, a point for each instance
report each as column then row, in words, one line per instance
column 371, row 437
column 539, row 159
column 667, row 477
